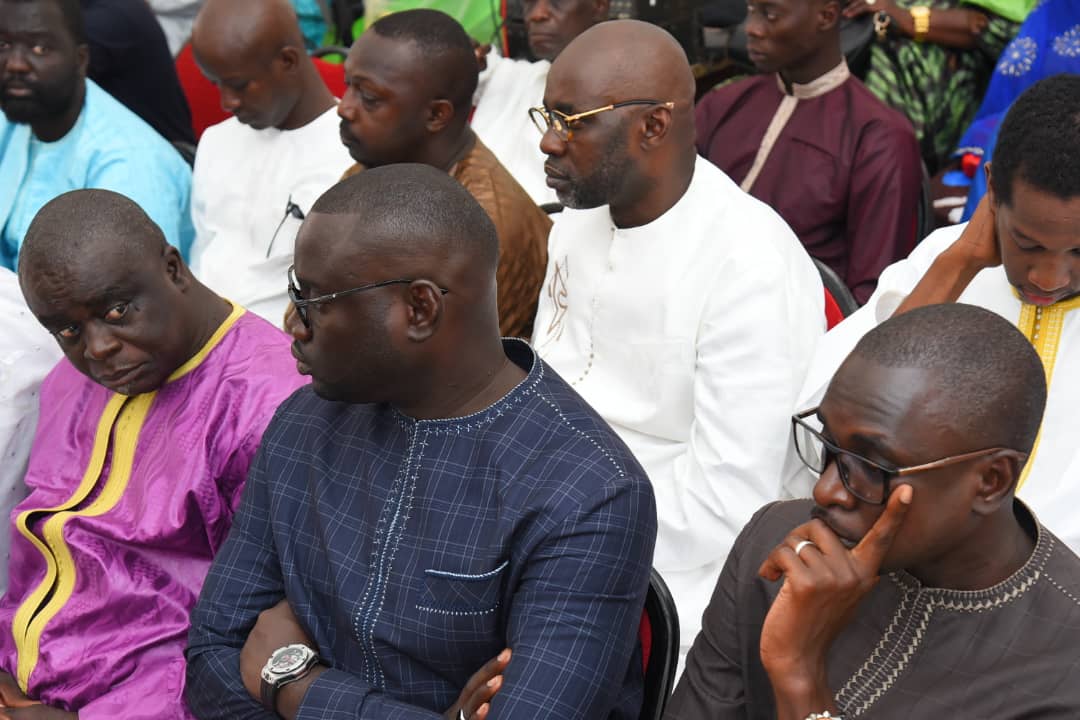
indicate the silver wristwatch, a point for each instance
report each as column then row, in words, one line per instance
column 286, row 664
column 824, row 716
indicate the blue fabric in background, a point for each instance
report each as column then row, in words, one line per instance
column 1048, row 44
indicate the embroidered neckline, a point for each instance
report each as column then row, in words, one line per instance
column 1005, row 591
column 818, row 86
column 476, row 420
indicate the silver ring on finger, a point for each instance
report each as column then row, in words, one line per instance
column 802, row 544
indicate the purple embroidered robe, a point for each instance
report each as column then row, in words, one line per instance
column 130, row 497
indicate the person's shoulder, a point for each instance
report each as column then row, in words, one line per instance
column 221, row 136
column 114, row 133
column 577, row 447
column 488, row 180
column 869, row 110
column 728, row 93
column 768, row 527
column 731, row 218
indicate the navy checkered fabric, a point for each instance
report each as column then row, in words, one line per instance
column 413, row 552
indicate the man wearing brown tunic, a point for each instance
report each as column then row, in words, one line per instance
column 410, row 85
column 808, row 139
column 914, row 585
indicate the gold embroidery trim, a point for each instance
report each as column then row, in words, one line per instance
column 1042, row 326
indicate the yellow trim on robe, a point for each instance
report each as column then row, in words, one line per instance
column 1042, row 327
column 127, row 415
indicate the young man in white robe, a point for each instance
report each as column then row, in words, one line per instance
column 259, row 172
column 683, row 309
column 1019, row 257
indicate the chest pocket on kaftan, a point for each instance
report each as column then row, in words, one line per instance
column 462, row 594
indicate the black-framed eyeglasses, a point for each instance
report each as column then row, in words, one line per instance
column 867, row 480
column 302, row 304
column 562, row 123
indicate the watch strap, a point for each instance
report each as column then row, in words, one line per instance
column 268, row 694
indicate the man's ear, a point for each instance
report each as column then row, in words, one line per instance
column 989, row 185
column 997, row 476
column 658, row 124
column 175, row 269
column 82, row 59
column 829, row 15
column 425, row 310
column 288, row 58
column 440, row 114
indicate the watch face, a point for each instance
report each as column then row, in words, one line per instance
column 288, row 659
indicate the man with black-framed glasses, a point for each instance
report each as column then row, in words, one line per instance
column 682, row 309
column 914, row 584
column 437, row 496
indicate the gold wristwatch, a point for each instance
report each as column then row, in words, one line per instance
column 920, row 15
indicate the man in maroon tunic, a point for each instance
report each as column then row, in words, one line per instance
column 810, row 140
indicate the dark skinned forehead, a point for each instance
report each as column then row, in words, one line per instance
column 891, row 414
column 43, row 20
column 60, row 287
column 392, row 64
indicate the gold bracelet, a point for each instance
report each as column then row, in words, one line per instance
column 920, row 15
column 881, row 25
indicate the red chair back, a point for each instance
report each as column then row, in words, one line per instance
column 833, row 313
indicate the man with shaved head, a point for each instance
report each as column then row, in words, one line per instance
column 437, row 496
column 913, row 584
column 257, row 173
column 681, row 308
column 410, row 81
column 146, row 431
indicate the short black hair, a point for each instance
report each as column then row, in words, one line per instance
column 422, row 209
column 79, row 222
column 445, row 47
column 71, row 10
column 1039, row 141
column 988, row 374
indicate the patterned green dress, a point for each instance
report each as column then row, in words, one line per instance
column 938, row 88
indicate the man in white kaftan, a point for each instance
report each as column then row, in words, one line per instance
column 504, row 93
column 259, row 172
column 686, row 316
column 27, row 354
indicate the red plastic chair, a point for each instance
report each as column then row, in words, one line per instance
column 833, row 313
column 205, row 100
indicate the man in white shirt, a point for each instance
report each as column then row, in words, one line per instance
column 258, row 173
column 681, row 308
column 27, row 354
column 1019, row 257
column 508, row 88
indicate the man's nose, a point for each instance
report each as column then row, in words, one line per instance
column 551, row 143
column 17, row 60
column 829, row 490
column 295, row 326
column 755, row 28
column 99, row 343
column 1050, row 275
column 539, row 12
column 230, row 100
